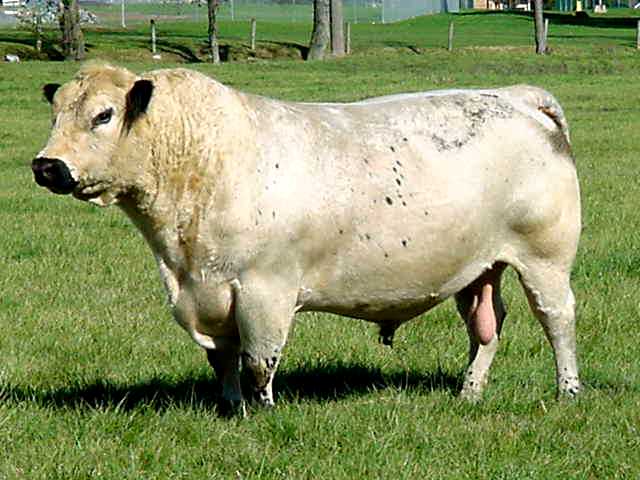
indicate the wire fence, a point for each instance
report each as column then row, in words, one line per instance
column 112, row 12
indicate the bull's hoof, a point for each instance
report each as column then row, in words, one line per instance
column 471, row 395
column 568, row 388
column 472, row 390
column 262, row 398
column 232, row 408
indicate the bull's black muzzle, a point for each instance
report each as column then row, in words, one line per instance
column 53, row 174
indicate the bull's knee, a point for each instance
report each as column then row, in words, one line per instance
column 260, row 372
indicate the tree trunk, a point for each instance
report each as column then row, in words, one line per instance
column 72, row 38
column 213, row 30
column 541, row 48
column 321, row 29
column 337, row 28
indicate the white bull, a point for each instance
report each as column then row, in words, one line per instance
column 256, row 209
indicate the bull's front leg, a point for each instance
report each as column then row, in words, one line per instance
column 264, row 310
column 225, row 360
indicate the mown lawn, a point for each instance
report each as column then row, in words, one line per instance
column 97, row 381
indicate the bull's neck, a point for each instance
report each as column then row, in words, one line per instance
column 191, row 173
column 171, row 230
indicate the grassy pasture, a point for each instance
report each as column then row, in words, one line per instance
column 97, row 381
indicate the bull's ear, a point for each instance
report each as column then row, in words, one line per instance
column 138, row 99
column 50, row 90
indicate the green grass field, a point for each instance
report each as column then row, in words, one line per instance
column 97, row 381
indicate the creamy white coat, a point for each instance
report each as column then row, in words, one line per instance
column 257, row 208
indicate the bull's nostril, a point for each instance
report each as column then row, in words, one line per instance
column 53, row 174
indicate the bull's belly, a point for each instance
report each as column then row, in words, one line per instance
column 394, row 294
column 378, row 310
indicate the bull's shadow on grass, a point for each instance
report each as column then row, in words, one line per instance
column 339, row 381
column 200, row 389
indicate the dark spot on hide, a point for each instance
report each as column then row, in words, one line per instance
column 388, row 200
column 405, row 139
column 273, row 214
column 271, row 362
column 392, row 149
column 404, row 243
column 404, row 203
column 476, row 113
column 366, row 161
column 340, row 231
column 367, row 236
column 398, row 162
column 277, row 165
column 398, row 182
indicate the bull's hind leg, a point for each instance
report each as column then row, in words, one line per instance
column 550, row 296
column 264, row 312
column 480, row 305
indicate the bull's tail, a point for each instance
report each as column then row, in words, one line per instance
column 548, row 105
column 542, row 102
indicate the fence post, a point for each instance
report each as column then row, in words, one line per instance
column 39, row 32
column 638, row 35
column 124, row 25
column 450, row 42
column 153, row 36
column 253, row 34
column 347, row 38
column 546, row 32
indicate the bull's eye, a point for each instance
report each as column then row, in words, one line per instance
column 102, row 118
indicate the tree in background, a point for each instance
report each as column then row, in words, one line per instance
column 538, row 17
column 35, row 13
column 72, row 38
column 212, row 6
column 321, row 29
column 337, row 28
column 327, row 27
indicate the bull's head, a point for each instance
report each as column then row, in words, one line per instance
column 88, row 153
